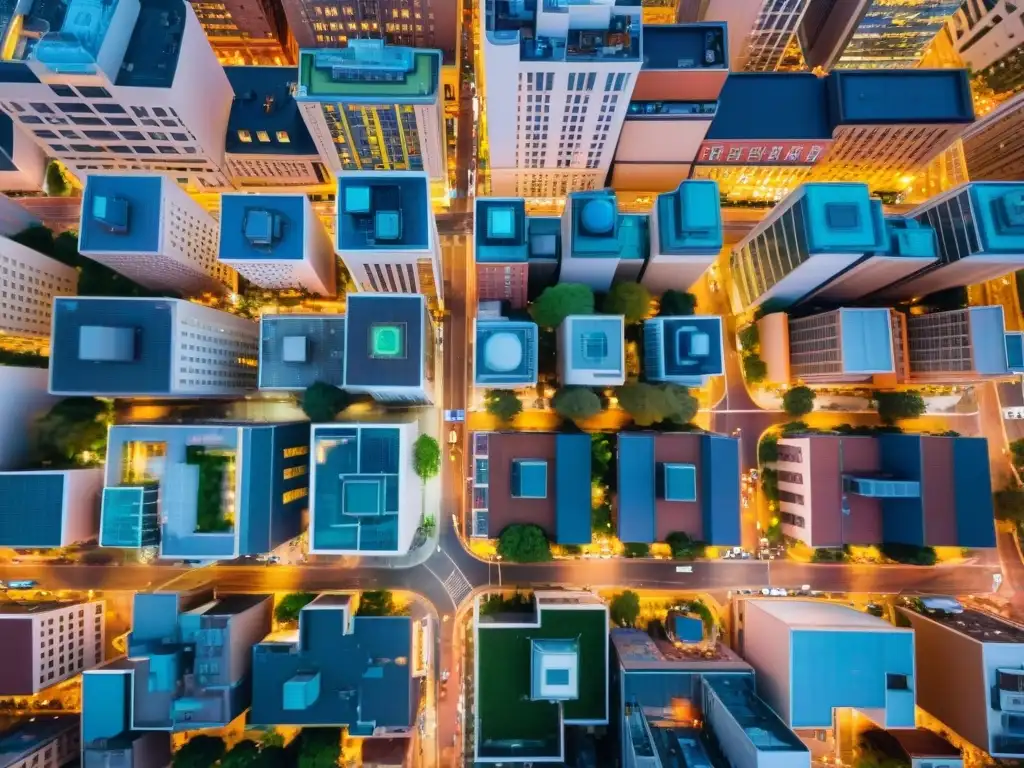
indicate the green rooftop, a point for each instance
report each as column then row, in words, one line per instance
column 387, row 340
column 369, row 73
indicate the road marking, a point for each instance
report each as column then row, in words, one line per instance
column 457, row 587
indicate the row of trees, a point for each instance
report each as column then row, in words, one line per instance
column 647, row 403
column 631, row 300
column 379, row 602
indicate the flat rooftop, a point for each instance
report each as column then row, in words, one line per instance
column 993, row 206
column 789, row 105
column 866, row 340
column 25, row 736
column 596, row 343
column 121, row 214
column 508, row 22
column 506, row 353
column 691, row 345
column 864, row 97
column 820, row 615
column 31, row 509
column 265, row 118
column 637, row 651
column 368, row 71
column 500, row 230
column 759, row 722
column 386, row 340
column 12, row 608
column 981, row 626
column 841, row 217
column 297, row 351
column 383, row 211
column 151, row 58
column 690, row 219
column 263, row 228
column 686, row 46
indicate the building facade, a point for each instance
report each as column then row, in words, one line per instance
column 994, row 145
column 30, row 283
column 760, row 31
column 43, row 742
column 22, row 162
column 894, row 34
column 501, row 250
column 247, row 33
column 49, row 508
column 685, row 236
column 986, row 36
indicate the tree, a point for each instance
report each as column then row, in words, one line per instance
column 245, row 754
column 524, row 544
column 377, row 602
column 1009, row 504
column 74, row 432
column 23, row 359
column 56, row 184
column 631, row 300
column 754, row 369
column 319, row 747
column 576, row 403
column 749, row 337
column 768, row 449
column 683, row 547
column 791, row 428
column 271, row 738
column 770, row 483
column 287, row 611
column 680, row 405
column 322, row 402
column 894, row 406
column 637, row 549
column 600, row 457
column 646, row 403
column 601, row 518
column 503, row 403
column 909, row 554
column 674, row 303
column 1017, row 449
column 200, row 751
column 625, row 608
column 276, row 756
column 37, row 237
column 798, row 401
column 559, row 301
column 426, row 457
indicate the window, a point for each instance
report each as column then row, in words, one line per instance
column 140, row 111
column 282, row 136
column 167, row 150
column 245, row 136
column 263, row 136
column 133, row 136
column 159, row 112
column 299, row 450
column 93, row 92
column 63, row 91
column 74, row 109
column 292, row 472
column 87, row 121
column 31, row 120
column 101, row 135
column 46, row 134
column 143, row 149
column 110, row 109
column 179, row 137
column 120, row 121
column 294, row 495
column 43, row 109
column 157, row 136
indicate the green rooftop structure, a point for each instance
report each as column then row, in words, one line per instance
column 537, row 673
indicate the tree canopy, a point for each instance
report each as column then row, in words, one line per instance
column 74, row 432
column 287, row 611
column 629, row 299
column 56, row 184
column 625, row 608
column 683, row 547
column 503, row 404
column 601, row 456
column 798, row 401
column 322, row 402
column 377, row 602
column 557, row 302
column 637, row 549
column 1009, row 504
column 426, row 457
column 524, row 544
column 652, row 403
column 200, row 751
column 576, row 403
column 674, row 303
column 895, row 406
column 749, row 337
column 768, row 448
column 245, row 754
column 754, row 369
column 319, row 747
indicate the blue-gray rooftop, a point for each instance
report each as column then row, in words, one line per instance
column 545, row 238
column 297, row 351
column 25, row 737
column 760, row 724
column 690, row 219
column 840, row 217
column 998, row 211
column 909, row 239
column 505, row 353
column 31, row 509
column 928, row 96
column 989, row 344
column 112, row 346
column 383, row 211
column 151, row 59
column 262, row 228
column 686, row 46
column 500, row 230
column 789, row 105
column 683, row 350
column 596, row 343
column 572, row 489
column 357, row 676
column 265, row 119
column 386, row 338
column 865, row 337
column 121, row 214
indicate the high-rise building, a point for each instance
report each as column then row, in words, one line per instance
column 825, row 28
column 501, row 249
column 243, row 32
column 387, row 235
column 23, row 399
column 375, row 107
column 685, row 236
column 277, row 242
column 987, row 35
column 45, row 643
column 49, row 508
column 22, row 162
column 49, row 741
column 759, row 30
column 505, row 353
column 893, row 34
column 132, row 86
column 149, row 229
column 599, row 245
column 129, row 347
column 994, row 145
column 685, row 350
column 556, row 83
column 31, row 282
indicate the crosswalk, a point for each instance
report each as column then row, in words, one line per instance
column 457, row 586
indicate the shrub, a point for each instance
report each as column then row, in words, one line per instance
column 524, row 544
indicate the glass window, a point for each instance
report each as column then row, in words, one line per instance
column 133, row 135
column 120, row 121
column 31, row 120
column 143, row 149
column 282, row 136
column 42, row 108
column 93, row 92
column 110, row 109
column 101, row 135
column 245, row 136
column 74, row 108
column 63, row 91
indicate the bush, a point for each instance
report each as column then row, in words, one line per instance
column 909, row 554
column 637, row 549
column 768, row 449
column 322, row 402
column 770, row 484
column 245, row 754
column 557, row 302
column 377, row 602
column 212, row 468
column 576, row 403
column 683, row 547
column 56, row 184
column 675, row 303
column 23, row 359
column 1009, row 504
column 426, row 457
column 200, row 751
column 699, row 608
column 791, row 428
column 749, row 337
column 497, row 603
column 601, row 518
column 319, row 747
column 287, row 611
column 625, row 608
column 894, row 406
column 631, row 300
column 828, row 555
column 651, row 403
column 72, row 429
column 601, row 457
column 798, row 401
column 503, row 404
column 524, row 544
column 754, row 369
column 1017, row 449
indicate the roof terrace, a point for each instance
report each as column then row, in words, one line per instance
column 518, row 22
column 686, row 46
column 501, row 230
column 383, row 211
column 299, row 350
column 369, row 71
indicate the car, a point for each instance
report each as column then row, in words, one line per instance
column 684, row 569
column 874, row 609
column 444, row 676
column 22, row 584
column 777, row 592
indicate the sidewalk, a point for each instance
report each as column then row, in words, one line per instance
column 935, row 405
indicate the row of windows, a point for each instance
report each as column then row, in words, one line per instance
column 263, row 137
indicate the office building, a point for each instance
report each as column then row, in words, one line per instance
column 297, row 351
column 678, row 482
column 986, row 36
column 505, row 353
column 340, row 669
column 813, row 235
column 531, row 478
column 268, row 146
column 893, row 34
column 33, row 663
column 387, row 235
column 556, row 84
column 501, row 250
column 969, row 676
column 22, row 162
column 592, row 351
column 205, row 492
column 277, row 242
column 147, row 228
column 31, row 281
column 685, row 237
column 129, row 347
column 813, row 658
column 599, row 245
column 14, row 216
column 247, row 33
column 980, row 235
column 24, row 398
column 108, row 736
column 825, row 28
column 671, row 107
column 684, row 350
column 760, row 31
column 994, row 144
column 49, row 508
column 375, row 107
column 130, row 87
column 189, row 665
column 914, row 489
column 50, row 741
column 365, row 498
column 536, row 673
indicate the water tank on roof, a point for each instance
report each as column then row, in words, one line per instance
column 503, row 352
column 598, row 216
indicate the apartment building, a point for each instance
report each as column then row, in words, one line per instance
column 22, row 162
column 50, row 741
column 987, row 37
column 685, row 236
column 133, row 87
column 994, row 145
column 599, row 245
column 31, row 281
column 152, row 232
column 130, row 347
column 501, row 250
column 49, row 508
column 47, row 642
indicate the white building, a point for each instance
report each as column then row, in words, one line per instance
column 557, row 86
column 22, row 162
column 128, row 347
column 23, row 399
column 987, row 35
column 131, row 86
column 45, row 643
column 148, row 229
column 592, row 351
column 30, row 283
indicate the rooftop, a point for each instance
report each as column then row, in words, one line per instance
column 791, row 105
column 506, row 353
column 638, row 651
column 684, row 350
column 690, row 219
column 262, row 228
column 840, row 217
column 340, row 670
column 989, row 340
column 866, row 340
column 501, row 230
column 544, row 237
column 595, row 345
column 383, row 210
column 761, row 725
column 31, row 509
column 368, row 71
column 11, row 608
column 299, row 350
column 686, row 46
column 981, row 626
column 26, row 736
column 617, row 38
column 121, row 213
column 910, row 742
column 865, row 97
column 909, row 239
column 386, row 340
column 821, row 615
column 599, row 231
column 998, row 210
column 265, row 118
column 151, row 58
